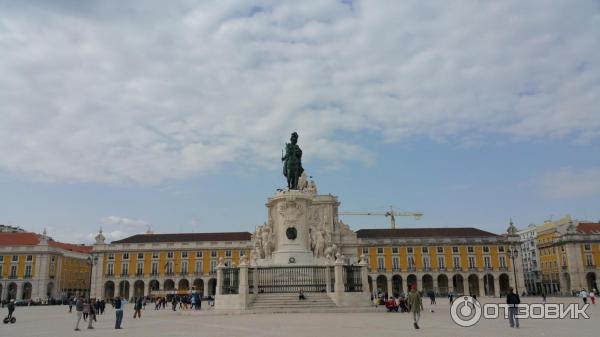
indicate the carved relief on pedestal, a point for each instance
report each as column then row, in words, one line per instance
column 263, row 241
column 291, row 210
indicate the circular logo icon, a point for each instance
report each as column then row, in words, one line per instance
column 466, row 311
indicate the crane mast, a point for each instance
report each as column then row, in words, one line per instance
column 391, row 214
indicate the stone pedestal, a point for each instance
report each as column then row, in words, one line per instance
column 289, row 218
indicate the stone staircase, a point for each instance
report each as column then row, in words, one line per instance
column 290, row 303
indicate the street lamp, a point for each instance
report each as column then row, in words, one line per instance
column 513, row 253
column 92, row 260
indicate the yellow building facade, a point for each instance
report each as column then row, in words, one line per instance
column 159, row 264
column 459, row 260
column 443, row 260
column 35, row 267
column 568, row 256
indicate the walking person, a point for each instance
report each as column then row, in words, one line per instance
column 71, row 302
column 91, row 314
column 86, row 309
column 593, row 297
column 138, row 308
column 78, row 311
column 96, row 308
column 415, row 304
column 431, row 297
column 544, row 298
column 513, row 302
column 119, row 305
column 451, row 298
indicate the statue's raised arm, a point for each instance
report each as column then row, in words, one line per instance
column 292, row 162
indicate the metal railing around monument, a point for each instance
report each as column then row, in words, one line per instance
column 352, row 279
column 231, row 281
column 290, row 279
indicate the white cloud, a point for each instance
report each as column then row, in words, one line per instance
column 570, row 183
column 143, row 92
column 90, row 238
column 120, row 221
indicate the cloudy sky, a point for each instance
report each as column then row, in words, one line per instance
column 173, row 114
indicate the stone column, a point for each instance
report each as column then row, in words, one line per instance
column 255, row 280
column 450, row 285
column 435, row 283
column 364, row 274
column 41, row 274
column 373, row 283
column 497, row 286
column 563, row 284
column 575, row 267
column 339, row 276
column 466, row 285
column 328, row 279
column 220, row 267
column 390, row 291
column 19, row 290
column 481, row 286
column 243, row 287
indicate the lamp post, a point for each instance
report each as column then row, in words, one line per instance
column 92, row 260
column 513, row 253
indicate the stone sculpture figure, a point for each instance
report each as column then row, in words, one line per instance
column 267, row 242
column 303, row 182
column 257, row 251
column 312, row 238
column 312, row 187
column 319, row 244
column 292, row 162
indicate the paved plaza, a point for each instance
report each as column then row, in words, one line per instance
column 56, row 321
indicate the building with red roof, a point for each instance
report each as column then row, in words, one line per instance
column 34, row 266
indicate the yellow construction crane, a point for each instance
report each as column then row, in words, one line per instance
column 391, row 214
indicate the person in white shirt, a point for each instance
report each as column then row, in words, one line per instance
column 583, row 295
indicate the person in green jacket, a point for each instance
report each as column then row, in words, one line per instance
column 415, row 303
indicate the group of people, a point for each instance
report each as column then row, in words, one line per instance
column 185, row 302
column 412, row 302
column 86, row 309
column 591, row 295
column 397, row 304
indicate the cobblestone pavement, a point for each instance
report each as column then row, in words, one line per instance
column 56, row 321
